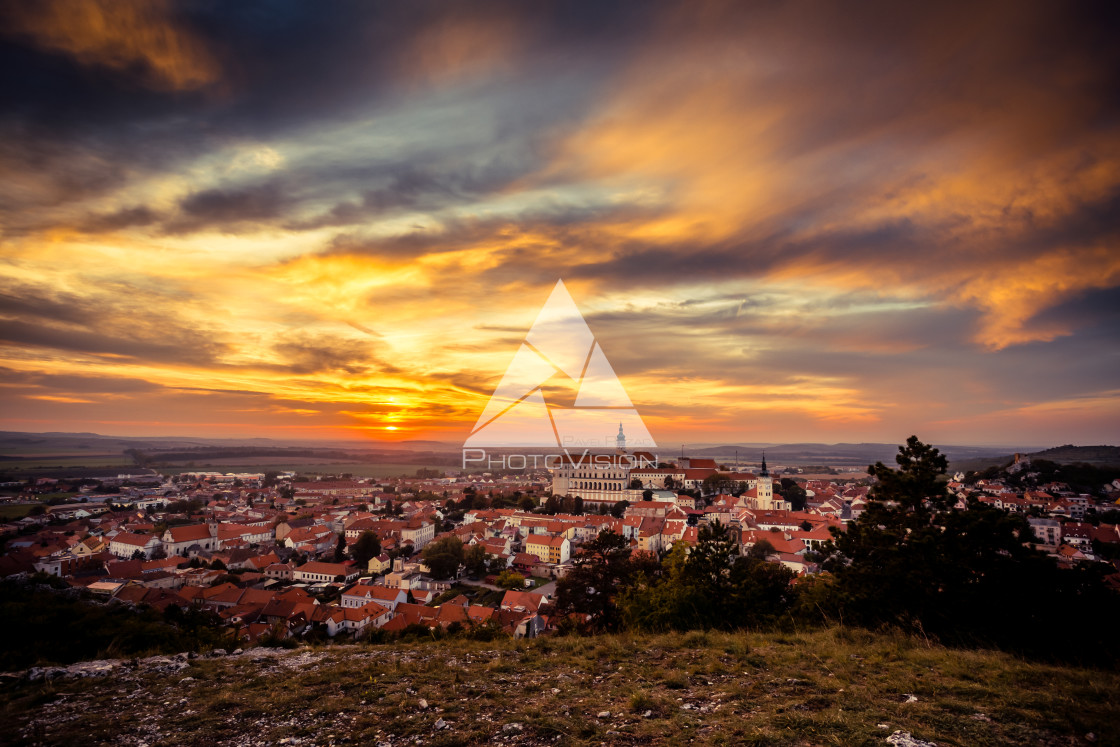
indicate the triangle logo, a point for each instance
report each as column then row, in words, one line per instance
column 559, row 344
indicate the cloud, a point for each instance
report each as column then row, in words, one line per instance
column 777, row 218
column 129, row 37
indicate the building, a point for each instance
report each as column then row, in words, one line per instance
column 316, row 572
column 126, row 544
column 597, row 478
column 177, row 540
column 549, row 549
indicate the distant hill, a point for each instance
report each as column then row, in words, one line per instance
column 837, row 455
column 1097, row 456
column 1068, row 454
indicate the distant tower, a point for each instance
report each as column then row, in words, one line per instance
column 620, row 440
column 765, row 487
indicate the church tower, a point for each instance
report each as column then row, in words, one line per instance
column 620, row 441
column 765, row 487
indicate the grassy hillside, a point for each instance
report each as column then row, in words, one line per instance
column 838, row 687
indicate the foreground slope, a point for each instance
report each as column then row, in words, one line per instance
column 835, row 686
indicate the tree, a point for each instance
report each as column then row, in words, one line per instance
column 792, row 492
column 709, row 586
column 618, row 509
column 601, row 569
column 474, row 559
column 367, row 547
column 966, row 576
column 510, row 579
column 443, row 556
column 760, row 550
column 572, row 505
column 636, row 484
column 716, row 484
column 340, row 548
column 526, row 503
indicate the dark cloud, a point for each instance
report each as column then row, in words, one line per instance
column 77, row 383
column 133, row 217
column 225, row 208
column 170, row 346
column 303, row 354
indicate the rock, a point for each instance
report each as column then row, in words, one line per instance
column 423, row 704
column 441, row 724
column 903, row 739
column 604, row 714
column 883, row 726
column 513, row 727
column 555, row 691
column 910, row 698
column 982, row 717
column 647, row 714
column 1090, row 737
column 218, row 652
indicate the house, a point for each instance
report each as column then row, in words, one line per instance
column 353, row 620
column 1047, row 531
column 318, row 572
column 279, row 571
column 522, row 601
column 90, row 546
column 380, row 564
column 361, row 594
column 549, row 549
column 418, row 532
column 525, row 563
column 318, row 537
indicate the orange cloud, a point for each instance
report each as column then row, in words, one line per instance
column 121, row 35
column 733, row 161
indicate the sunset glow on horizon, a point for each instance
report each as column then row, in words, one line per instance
column 783, row 223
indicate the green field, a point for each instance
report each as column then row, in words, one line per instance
column 11, row 511
column 357, row 470
column 69, row 461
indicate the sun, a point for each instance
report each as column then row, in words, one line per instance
column 390, row 427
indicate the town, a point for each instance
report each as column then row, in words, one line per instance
column 278, row 556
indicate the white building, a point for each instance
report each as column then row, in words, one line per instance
column 126, row 544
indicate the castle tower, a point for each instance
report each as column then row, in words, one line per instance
column 765, row 487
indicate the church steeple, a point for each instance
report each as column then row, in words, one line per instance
column 620, row 440
column 764, row 472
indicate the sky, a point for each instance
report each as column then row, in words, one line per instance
column 783, row 221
